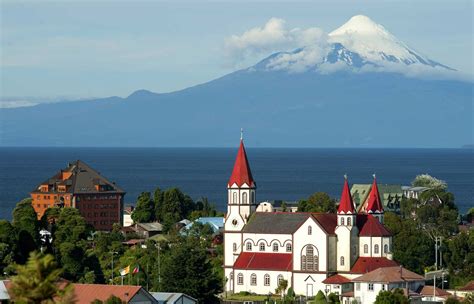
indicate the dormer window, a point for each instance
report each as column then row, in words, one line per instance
column 342, row 221
column 349, row 221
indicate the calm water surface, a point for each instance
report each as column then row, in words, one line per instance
column 287, row 174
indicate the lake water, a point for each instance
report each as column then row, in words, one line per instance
column 285, row 174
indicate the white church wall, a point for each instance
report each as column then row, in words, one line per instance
column 268, row 239
column 230, row 255
column 332, row 247
column 308, row 284
column 318, row 239
column 259, row 287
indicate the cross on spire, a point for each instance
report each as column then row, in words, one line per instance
column 241, row 133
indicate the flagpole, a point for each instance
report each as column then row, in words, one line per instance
column 122, row 280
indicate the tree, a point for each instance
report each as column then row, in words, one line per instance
column 391, row 297
column 426, row 180
column 459, row 257
column 144, row 212
column 333, row 298
column 187, row 269
column 452, row 300
column 8, row 245
column 282, row 286
column 25, row 218
column 320, row 298
column 38, row 282
column 318, row 202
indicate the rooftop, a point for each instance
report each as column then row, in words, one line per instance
column 367, row 264
column 264, row 261
column 392, row 274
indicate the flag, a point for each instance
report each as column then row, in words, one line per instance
column 125, row 271
column 136, row 269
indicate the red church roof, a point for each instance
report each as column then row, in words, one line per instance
column 336, row 279
column 264, row 261
column 367, row 264
column 346, row 205
column 370, row 226
column 241, row 174
column 374, row 203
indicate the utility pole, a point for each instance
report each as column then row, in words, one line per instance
column 436, row 253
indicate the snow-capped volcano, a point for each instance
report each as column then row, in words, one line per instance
column 359, row 44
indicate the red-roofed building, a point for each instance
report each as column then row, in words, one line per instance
column 312, row 251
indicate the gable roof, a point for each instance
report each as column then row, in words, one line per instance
column 264, row 261
column 367, row 264
column 468, row 287
column 392, row 274
column 370, row 226
column 336, row 279
column 275, row 222
column 428, row 292
column 328, row 221
column 241, row 173
column 171, row 297
column 346, row 204
column 86, row 293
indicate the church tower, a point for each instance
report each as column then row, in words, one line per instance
column 241, row 191
column 346, row 231
column 374, row 204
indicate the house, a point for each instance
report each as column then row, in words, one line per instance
column 277, row 205
column 86, row 293
column 98, row 200
column 147, row 230
column 305, row 249
column 434, row 294
column 173, row 298
column 368, row 286
column 391, row 196
column 127, row 216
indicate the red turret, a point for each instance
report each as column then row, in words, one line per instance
column 346, row 205
column 241, row 174
column 374, row 204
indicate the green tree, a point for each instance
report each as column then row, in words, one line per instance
column 187, row 269
column 281, row 288
column 144, row 212
column 26, row 224
column 8, row 243
column 395, row 296
column 459, row 257
column 320, row 298
column 426, row 180
column 38, row 282
column 333, row 298
column 452, row 300
column 318, row 202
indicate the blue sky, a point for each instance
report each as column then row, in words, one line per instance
column 73, row 49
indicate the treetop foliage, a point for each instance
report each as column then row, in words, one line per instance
column 426, row 180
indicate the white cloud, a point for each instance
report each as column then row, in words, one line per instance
column 272, row 37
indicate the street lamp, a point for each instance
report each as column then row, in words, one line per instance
column 113, row 252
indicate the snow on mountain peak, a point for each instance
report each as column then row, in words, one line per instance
column 360, row 24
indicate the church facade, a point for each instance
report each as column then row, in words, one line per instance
column 312, row 251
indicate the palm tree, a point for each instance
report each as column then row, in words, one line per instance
column 38, row 281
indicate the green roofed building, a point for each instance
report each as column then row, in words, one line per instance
column 391, row 195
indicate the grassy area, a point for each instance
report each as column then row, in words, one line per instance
column 250, row 297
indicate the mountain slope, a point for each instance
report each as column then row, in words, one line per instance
column 304, row 98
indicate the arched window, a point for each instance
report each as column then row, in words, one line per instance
column 240, row 279
column 244, row 198
column 349, row 221
column 279, row 278
column 342, row 221
column 366, row 248
column 248, row 246
column 288, row 247
column 235, row 198
column 309, row 260
column 253, row 279
column 262, row 246
column 310, row 230
column 342, row 261
column 376, row 249
column 266, row 280
column 234, row 247
column 275, row 247
column 252, row 197
column 385, row 248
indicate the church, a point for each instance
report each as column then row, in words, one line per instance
column 312, row 251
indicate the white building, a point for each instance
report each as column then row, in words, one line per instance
column 262, row 248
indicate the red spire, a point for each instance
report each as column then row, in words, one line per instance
column 346, row 205
column 241, row 174
column 374, row 203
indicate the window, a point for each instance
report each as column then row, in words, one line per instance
column 309, row 261
column 366, row 248
column 235, row 198
column 244, row 198
column 252, row 196
column 385, row 248
column 383, row 286
column 342, row 221
column 342, row 261
column 262, row 246
column 248, row 246
column 240, row 279
column 253, row 279
column 266, row 280
column 357, row 286
column 310, row 230
column 275, row 247
column 376, row 249
column 234, row 247
column 288, row 247
column 370, row 287
column 279, row 278
column 349, row 221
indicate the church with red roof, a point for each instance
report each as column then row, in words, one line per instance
column 311, row 251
